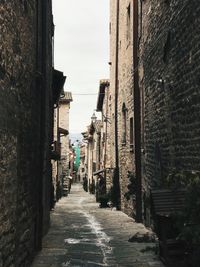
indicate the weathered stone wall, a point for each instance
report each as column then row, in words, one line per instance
column 64, row 123
column 125, row 93
column 21, row 131
column 112, row 80
column 125, row 103
column 169, row 85
column 107, row 136
column 82, row 168
column 169, row 61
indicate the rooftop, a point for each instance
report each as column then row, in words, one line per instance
column 66, row 98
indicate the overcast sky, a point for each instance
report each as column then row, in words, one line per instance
column 82, row 53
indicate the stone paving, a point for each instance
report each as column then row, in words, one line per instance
column 82, row 234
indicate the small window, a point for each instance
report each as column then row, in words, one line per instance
column 124, row 111
column 94, row 166
column 128, row 23
column 131, row 135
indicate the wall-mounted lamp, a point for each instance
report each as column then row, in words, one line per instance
column 94, row 117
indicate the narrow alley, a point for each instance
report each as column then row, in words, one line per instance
column 82, row 234
column 99, row 133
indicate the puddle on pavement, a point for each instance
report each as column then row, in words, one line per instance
column 75, row 226
column 72, row 241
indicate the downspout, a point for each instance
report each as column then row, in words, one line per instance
column 58, row 140
column 137, row 115
column 92, row 171
column 88, row 147
column 106, row 133
column 116, row 182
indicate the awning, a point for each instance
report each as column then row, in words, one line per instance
column 99, row 171
column 63, row 131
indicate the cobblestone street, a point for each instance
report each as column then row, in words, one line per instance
column 82, row 234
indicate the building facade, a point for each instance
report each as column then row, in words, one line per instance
column 122, row 95
column 170, row 89
column 26, row 128
column 82, row 168
column 60, row 164
column 155, row 96
column 105, row 153
column 91, row 139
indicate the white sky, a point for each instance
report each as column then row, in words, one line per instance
column 82, row 53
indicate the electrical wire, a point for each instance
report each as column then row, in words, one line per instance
column 86, row 94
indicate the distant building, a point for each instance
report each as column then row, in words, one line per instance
column 71, row 161
column 105, row 152
column 92, row 148
column 60, row 164
column 91, row 166
column 82, row 166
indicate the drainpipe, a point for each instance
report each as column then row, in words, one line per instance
column 106, row 133
column 58, row 140
column 137, row 115
column 116, row 182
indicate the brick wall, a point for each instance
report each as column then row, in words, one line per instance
column 169, row 86
column 22, row 131
column 169, row 59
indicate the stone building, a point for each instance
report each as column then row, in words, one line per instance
column 92, row 151
column 105, row 153
column 26, row 128
column 155, row 95
column 64, row 106
column 122, row 95
column 82, row 167
column 99, row 159
column 60, row 164
column 169, row 80
column 84, row 161
column 72, row 156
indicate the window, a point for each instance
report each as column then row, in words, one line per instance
column 128, row 23
column 124, row 111
column 131, row 135
column 94, row 166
